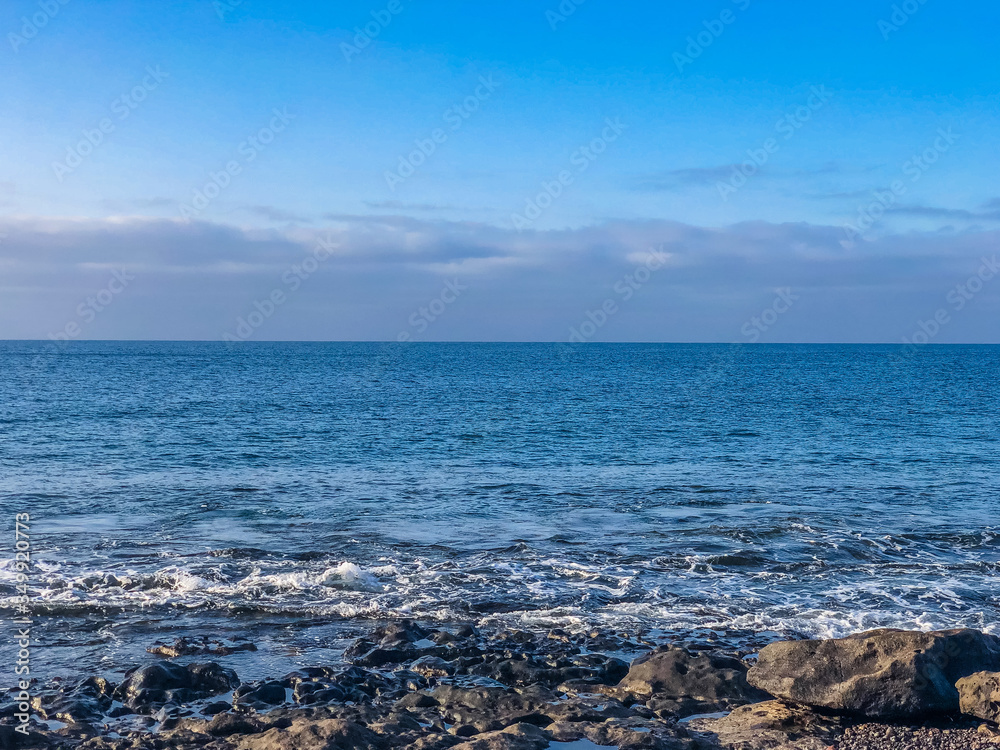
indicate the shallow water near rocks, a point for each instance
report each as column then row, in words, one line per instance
column 291, row 493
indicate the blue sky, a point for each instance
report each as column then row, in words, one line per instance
column 560, row 142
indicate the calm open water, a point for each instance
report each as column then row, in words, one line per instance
column 293, row 492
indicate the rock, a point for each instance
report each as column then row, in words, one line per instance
column 11, row 738
column 161, row 683
column 226, row 725
column 516, row 737
column 979, row 695
column 432, row 666
column 634, row 734
column 988, row 730
column 187, row 646
column 216, row 707
column 380, row 657
column 85, row 703
column 326, row 734
column 491, row 709
column 886, row 674
column 268, row 693
column 586, row 708
column 515, row 672
column 774, row 725
column 674, row 680
column 613, row 671
column 416, row 700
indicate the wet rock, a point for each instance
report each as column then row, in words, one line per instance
column 491, row 709
column 381, row 657
column 979, row 695
column 774, row 725
column 266, row 694
column 10, row 738
column 444, row 638
column 360, row 684
column 304, row 734
column 888, row 674
column 514, row 672
column 674, row 680
column 634, row 734
column 165, row 682
column 432, row 666
column 188, row 646
column 586, row 708
column 85, row 703
column 216, row 707
column 359, row 648
column 404, row 630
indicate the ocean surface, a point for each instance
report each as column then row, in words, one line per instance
column 294, row 493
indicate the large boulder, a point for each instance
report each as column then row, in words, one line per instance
column 166, row 682
column 674, row 680
column 979, row 695
column 884, row 674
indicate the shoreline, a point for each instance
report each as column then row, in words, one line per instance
column 429, row 686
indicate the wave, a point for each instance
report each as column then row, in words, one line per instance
column 739, row 591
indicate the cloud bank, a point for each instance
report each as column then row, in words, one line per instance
column 369, row 278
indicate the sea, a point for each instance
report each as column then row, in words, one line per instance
column 296, row 494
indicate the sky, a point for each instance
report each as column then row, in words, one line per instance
column 725, row 171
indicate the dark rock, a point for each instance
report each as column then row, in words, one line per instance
column 444, row 638
column 586, row 708
column 11, row 738
column 613, row 671
column 675, row 680
column 527, row 671
column 380, row 657
column 490, row 709
column 268, row 693
column 416, row 700
column 404, row 630
column 188, row 646
column 225, row 725
column 979, row 695
column 887, row 674
column 305, row 734
column 216, row 707
column 432, row 666
column 85, row 703
column 633, row 734
column 161, row 683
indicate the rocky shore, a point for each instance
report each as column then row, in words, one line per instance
column 411, row 686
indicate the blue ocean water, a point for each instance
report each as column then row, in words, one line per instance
column 296, row 491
